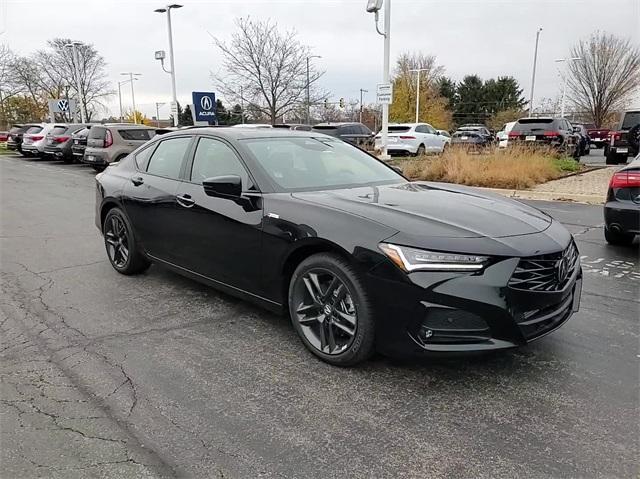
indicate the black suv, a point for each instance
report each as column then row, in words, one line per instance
column 14, row 138
column 624, row 140
column 355, row 133
column 556, row 133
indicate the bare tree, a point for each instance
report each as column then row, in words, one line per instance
column 266, row 69
column 605, row 78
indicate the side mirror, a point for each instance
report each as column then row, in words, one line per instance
column 576, row 129
column 437, row 133
column 223, row 186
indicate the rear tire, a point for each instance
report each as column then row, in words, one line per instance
column 612, row 158
column 331, row 311
column 98, row 168
column 618, row 239
column 121, row 245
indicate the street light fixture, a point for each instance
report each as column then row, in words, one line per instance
column 76, row 61
column 174, row 103
column 564, row 82
column 533, row 75
column 418, row 70
column 133, row 96
column 374, row 6
column 309, row 89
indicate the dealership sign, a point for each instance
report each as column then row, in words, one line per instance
column 204, row 106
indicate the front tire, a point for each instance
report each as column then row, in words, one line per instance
column 331, row 310
column 421, row 151
column 121, row 245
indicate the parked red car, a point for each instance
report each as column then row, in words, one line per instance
column 599, row 136
column 4, row 135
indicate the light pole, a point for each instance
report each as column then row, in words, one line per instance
column 133, row 95
column 362, row 90
column 418, row 70
column 120, row 83
column 76, row 61
column 309, row 89
column 564, row 82
column 174, row 105
column 158, row 105
column 533, row 75
column 374, row 6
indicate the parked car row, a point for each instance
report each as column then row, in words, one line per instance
column 95, row 144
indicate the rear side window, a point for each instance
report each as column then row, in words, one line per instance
column 168, row 156
column 142, row 158
column 83, row 133
column 140, row 135
column 97, row 133
column 33, row 129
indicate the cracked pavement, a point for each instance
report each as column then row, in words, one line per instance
column 103, row 375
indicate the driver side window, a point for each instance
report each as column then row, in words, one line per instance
column 215, row 158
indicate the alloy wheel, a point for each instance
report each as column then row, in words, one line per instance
column 117, row 241
column 325, row 311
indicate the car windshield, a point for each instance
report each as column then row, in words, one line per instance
column 300, row 164
column 631, row 119
column 533, row 124
column 33, row 129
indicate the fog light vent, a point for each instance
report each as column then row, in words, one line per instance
column 443, row 325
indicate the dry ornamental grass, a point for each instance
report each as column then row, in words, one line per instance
column 515, row 167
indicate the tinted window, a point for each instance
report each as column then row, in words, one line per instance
column 533, row 124
column 631, row 119
column 58, row 130
column 82, row 133
column 347, row 130
column 403, row 129
column 97, row 133
column 141, row 135
column 318, row 163
column 327, row 130
column 142, row 158
column 215, row 158
column 167, row 157
column 33, row 129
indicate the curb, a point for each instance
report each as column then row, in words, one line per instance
column 548, row 196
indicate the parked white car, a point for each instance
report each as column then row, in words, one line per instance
column 503, row 135
column 413, row 139
column 35, row 138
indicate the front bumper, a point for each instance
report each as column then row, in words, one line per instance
column 442, row 312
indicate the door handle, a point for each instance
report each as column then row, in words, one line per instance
column 137, row 181
column 185, row 201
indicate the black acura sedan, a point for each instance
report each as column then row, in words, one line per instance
column 360, row 258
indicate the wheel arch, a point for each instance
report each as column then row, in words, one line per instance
column 302, row 252
column 107, row 205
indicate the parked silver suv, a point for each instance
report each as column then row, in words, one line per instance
column 111, row 142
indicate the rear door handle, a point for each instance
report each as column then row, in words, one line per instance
column 137, row 181
column 185, row 201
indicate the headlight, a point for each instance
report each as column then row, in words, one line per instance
column 412, row 259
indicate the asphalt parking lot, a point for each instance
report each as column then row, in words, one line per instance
column 111, row 376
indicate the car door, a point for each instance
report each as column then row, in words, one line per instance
column 422, row 137
column 150, row 196
column 220, row 237
column 434, row 144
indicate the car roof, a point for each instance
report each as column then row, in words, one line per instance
column 337, row 124
column 230, row 132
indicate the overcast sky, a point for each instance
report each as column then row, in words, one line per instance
column 486, row 37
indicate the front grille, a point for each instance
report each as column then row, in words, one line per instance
column 549, row 272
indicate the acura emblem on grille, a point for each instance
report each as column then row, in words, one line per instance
column 562, row 269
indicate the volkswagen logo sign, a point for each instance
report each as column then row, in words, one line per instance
column 63, row 105
column 206, row 103
column 562, row 270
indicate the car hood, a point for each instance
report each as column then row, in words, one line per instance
column 421, row 209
